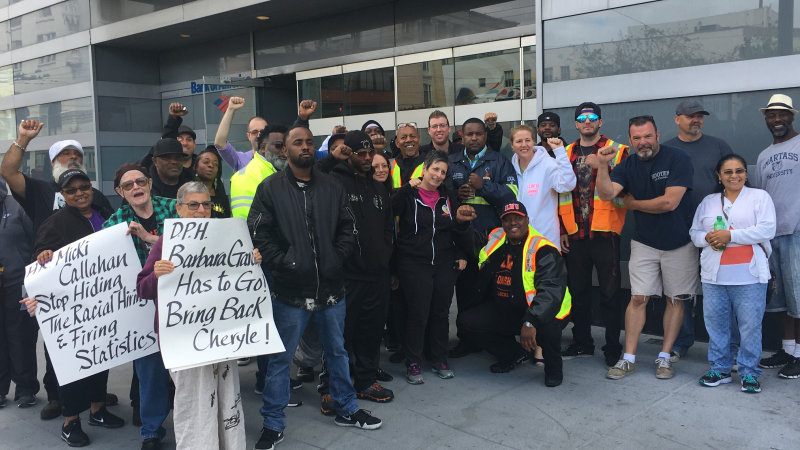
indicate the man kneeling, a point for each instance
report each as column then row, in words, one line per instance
column 522, row 290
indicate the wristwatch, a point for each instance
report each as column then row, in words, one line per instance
column 528, row 324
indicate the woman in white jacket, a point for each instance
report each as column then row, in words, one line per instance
column 540, row 179
column 734, row 269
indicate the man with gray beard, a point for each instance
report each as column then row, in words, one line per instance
column 40, row 199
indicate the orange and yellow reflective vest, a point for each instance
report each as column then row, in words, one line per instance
column 394, row 172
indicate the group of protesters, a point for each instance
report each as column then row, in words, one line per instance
column 365, row 241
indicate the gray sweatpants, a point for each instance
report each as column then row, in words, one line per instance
column 208, row 408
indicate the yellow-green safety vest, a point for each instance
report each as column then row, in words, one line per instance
column 245, row 182
column 394, row 172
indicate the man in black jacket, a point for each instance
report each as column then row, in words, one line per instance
column 516, row 297
column 366, row 271
column 302, row 224
column 439, row 129
column 167, row 171
column 175, row 129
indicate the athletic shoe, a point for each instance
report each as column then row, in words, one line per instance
column 621, row 369
column 51, row 410
column 294, row 400
column 243, row 361
column 73, row 435
column 295, row 384
column 137, row 418
column 791, row 370
column 2, row 401
column 462, row 349
column 326, row 405
column 576, row 351
column 664, row 370
column 259, row 391
column 103, row 418
column 751, row 385
column 376, row 393
column 151, row 444
column 501, row 368
column 443, row 370
column 269, row 439
column 397, row 357
column 414, row 374
column 26, row 401
column 384, row 376
column 714, row 378
column 111, row 399
column 360, row 419
column 778, row 359
column 305, row 374
column 674, row 356
column 553, row 379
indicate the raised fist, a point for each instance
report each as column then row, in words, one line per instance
column 490, row 119
column 465, row 213
column 554, row 143
column 235, row 103
column 606, row 154
column 30, row 128
column 342, row 152
column 177, row 110
column 379, row 142
column 339, row 129
column 307, row 109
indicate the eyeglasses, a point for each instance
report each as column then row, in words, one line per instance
column 731, row 172
column 439, row 125
column 278, row 145
column 253, row 132
column 647, row 118
column 128, row 185
column 363, row 153
column 584, row 117
column 194, row 206
column 409, row 124
column 73, row 190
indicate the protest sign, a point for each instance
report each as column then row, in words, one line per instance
column 216, row 304
column 89, row 313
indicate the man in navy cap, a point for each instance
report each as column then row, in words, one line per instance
column 548, row 125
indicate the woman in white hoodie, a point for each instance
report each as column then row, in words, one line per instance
column 540, row 179
column 734, row 269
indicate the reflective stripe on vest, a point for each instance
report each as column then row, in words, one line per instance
column 533, row 243
column 475, row 201
column 394, row 173
column 608, row 216
column 244, row 184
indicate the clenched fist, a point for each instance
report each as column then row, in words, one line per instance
column 235, row 103
column 465, row 213
column 307, row 109
column 490, row 119
column 177, row 110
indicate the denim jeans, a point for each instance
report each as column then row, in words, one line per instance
column 153, row 395
column 748, row 302
column 685, row 338
column 290, row 323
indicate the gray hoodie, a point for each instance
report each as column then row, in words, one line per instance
column 16, row 238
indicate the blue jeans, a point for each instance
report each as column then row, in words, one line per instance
column 685, row 338
column 748, row 302
column 153, row 395
column 291, row 322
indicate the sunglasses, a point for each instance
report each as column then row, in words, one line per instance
column 584, row 117
column 731, row 172
column 73, row 190
column 408, row 124
column 194, row 206
column 128, row 185
column 647, row 118
column 363, row 153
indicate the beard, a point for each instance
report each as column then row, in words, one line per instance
column 302, row 163
column 779, row 133
column 694, row 131
column 59, row 168
column 648, row 155
column 277, row 162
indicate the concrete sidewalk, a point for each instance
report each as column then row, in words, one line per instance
column 481, row 410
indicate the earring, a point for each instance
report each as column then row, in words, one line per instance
column 719, row 181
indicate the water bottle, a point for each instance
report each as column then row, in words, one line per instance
column 720, row 225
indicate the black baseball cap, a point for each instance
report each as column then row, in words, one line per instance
column 358, row 140
column 67, row 176
column 588, row 105
column 514, row 207
column 549, row 116
column 167, row 146
column 183, row 129
column 689, row 107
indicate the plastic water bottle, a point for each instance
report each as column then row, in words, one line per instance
column 720, row 225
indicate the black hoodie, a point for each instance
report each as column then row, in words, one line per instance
column 374, row 222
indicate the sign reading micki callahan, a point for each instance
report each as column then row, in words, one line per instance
column 89, row 313
column 216, row 304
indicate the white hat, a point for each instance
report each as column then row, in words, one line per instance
column 779, row 101
column 60, row 146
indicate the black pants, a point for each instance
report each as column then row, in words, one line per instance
column 18, row 334
column 363, row 328
column 428, row 293
column 78, row 396
column 465, row 288
column 134, row 392
column 603, row 254
column 494, row 328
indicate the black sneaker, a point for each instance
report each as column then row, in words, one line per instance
column 376, row 393
column 151, row 444
column 326, row 405
column 750, row 385
column 791, row 370
column 523, row 356
column 51, row 410
column 501, row 368
column 295, row 384
column 269, row 439
column 111, row 399
column 305, row 374
column 294, row 400
column 553, row 379
column 576, row 351
column 2, row 401
column 73, row 435
column 26, row 401
column 778, row 359
column 361, row 419
column 462, row 349
column 103, row 418
column 384, row 376
column 714, row 378
column 137, row 418
column 397, row 357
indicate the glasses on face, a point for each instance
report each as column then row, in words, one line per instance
column 584, row 117
column 278, row 145
column 194, row 206
column 253, row 132
column 128, row 185
column 408, row 124
column 438, row 126
column 634, row 119
column 363, row 153
column 73, row 190
column 730, row 172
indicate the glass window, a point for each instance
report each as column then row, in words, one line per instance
column 195, row 119
column 60, row 69
column 425, row 85
column 37, row 164
column 129, row 114
column 670, row 34
column 328, row 92
column 65, row 117
column 105, row 12
column 6, row 81
column 529, row 76
column 53, row 22
column 423, row 21
column 220, row 57
column 113, row 157
column 125, row 65
column 499, row 69
column 368, row 92
column 8, row 125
